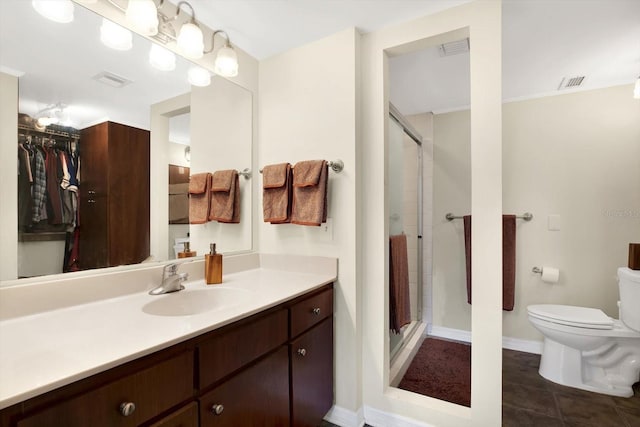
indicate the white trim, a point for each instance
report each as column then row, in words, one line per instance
column 527, row 346
column 345, row 418
column 376, row 417
column 400, row 363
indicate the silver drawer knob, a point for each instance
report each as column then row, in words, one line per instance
column 302, row 352
column 316, row 311
column 217, row 409
column 127, row 408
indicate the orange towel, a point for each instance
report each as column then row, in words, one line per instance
column 508, row 259
column 309, row 192
column 399, row 301
column 276, row 193
column 199, row 196
column 225, row 197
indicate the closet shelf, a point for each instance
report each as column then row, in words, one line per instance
column 43, row 236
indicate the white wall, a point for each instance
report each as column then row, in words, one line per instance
column 575, row 155
column 8, row 177
column 483, row 20
column 308, row 110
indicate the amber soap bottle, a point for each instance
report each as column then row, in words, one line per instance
column 187, row 252
column 213, row 266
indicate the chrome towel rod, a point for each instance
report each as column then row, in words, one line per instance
column 336, row 166
column 527, row 216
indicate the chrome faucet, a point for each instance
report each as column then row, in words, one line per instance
column 171, row 280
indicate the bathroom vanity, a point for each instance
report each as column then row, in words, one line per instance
column 272, row 365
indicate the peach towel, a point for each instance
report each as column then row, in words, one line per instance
column 309, row 192
column 399, row 302
column 225, row 197
column 199, row 196
column 276, row 193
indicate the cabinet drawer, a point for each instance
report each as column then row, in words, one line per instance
column 310, row 311
column 257, row 396
column 235, row 346
column 151, row 390
column 186, row 416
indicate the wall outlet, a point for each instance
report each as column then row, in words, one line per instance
column 553, row 222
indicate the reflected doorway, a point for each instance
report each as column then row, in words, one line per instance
column 179, row 173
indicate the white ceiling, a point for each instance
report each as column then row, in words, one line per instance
column 543, row 41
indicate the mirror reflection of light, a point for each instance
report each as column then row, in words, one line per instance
column 55, row 10
column 161, row 58
column 198, row 76
column 114, row 36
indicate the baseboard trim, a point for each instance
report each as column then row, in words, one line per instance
column 527, row 346
column 344, row 417
column 378, row 418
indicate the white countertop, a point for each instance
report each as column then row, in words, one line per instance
column 45, row 350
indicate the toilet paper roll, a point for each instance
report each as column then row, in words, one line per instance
column 550, row 275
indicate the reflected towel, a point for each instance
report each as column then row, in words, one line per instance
column 225, row 197
column 277, row 193
column 508, row 259
column 309, row 192
column 199, row 197
column 399, row 301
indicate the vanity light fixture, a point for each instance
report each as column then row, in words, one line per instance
column 226, row 63
column 190, row 38
column 636, row 89
column 55, row 10
column 143, row 16
column 115, row 36
column 198, row 76
column 162, row 59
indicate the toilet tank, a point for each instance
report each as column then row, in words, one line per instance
column 629, row 283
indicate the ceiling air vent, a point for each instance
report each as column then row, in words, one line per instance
column 111, row 79
column 569, row 82
column 454, row 48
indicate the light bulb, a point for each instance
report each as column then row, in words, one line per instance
column 226, row 63
column 191, row 41
column 143, row 16
column 636, row 89
column 198, row 76
column 115, row 36
column 55, row 10
column 161, row 58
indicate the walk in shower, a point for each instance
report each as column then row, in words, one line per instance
column 405, row 182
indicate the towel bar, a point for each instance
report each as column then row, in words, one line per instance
column 336, row 166
column 527, row 216
column 246, row 173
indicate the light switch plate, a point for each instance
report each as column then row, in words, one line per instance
column 553, row 222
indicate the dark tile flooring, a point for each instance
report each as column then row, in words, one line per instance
column 528, row 400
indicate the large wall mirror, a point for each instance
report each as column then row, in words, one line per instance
column 67, row 70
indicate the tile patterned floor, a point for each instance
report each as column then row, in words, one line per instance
column 528, row 400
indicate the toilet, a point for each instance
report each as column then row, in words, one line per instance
column 584, row 348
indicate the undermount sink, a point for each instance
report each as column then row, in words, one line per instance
column 190, row 302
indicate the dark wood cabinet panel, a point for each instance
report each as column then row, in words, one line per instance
column 183, row 417
column 237, row 346
column 310, row 311
column 114, row 195
column 257, row 396
column 312, row 375
column 151, row 391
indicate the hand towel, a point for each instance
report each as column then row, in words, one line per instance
column 508, row 259
column 199, row 197
column 399, row 302
column 277, row 193
column 309, row 192
column 225, row 197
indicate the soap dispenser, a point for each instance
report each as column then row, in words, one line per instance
column 187, row 252
column 213, row 266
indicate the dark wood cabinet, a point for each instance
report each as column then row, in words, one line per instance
column 253, row 372
column 114, row 195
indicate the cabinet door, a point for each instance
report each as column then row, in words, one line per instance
column 312, row 375
column 257, row 396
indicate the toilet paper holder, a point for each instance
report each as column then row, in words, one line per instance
column 537, row 270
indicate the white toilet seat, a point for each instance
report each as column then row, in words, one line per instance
column 580, row 317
